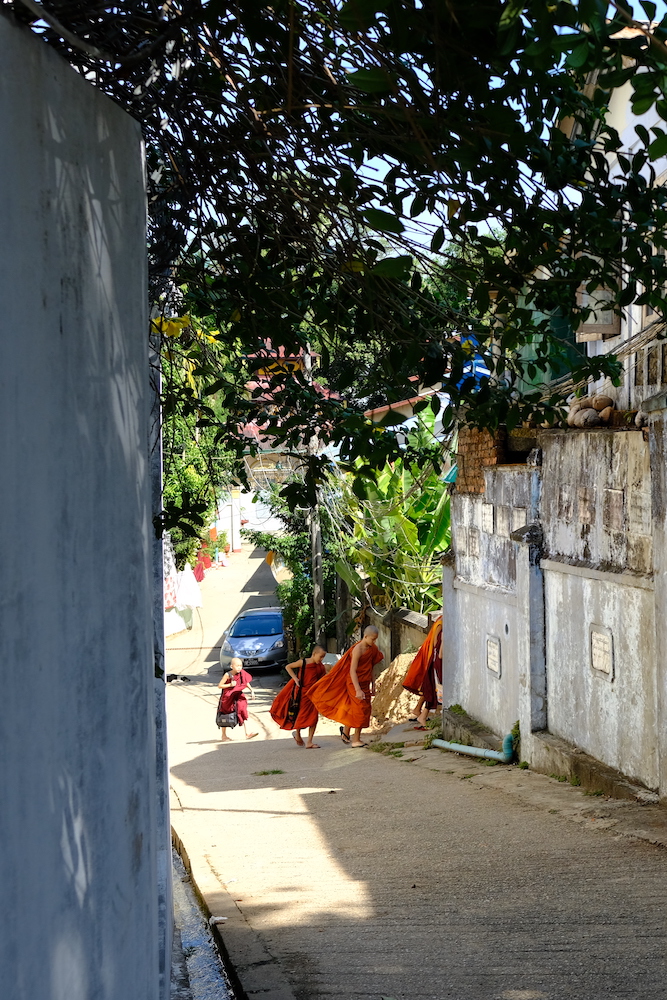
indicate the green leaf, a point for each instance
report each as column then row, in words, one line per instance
column 393, row 267
column 510, row 14
column 350, row 576
column 371, row 81
column 358, row 15
column 383, row 222
column 578, row 56
column 649, row 8
column 642, row 105
column 658, row 148
column 437, row 239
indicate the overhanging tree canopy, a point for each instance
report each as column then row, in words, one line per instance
column 311, row 162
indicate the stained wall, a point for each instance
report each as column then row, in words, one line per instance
column 78, row 828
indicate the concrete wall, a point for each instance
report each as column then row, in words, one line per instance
column 597, row 564
column 399, row 631
column 79, row 858
column 568, row 596
column 481, row 621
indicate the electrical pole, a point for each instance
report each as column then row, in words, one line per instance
column 315, row 531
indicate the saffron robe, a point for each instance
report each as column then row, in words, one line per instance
column 334, row 695
column 426, row 666
column 309, row 674
column 234, row 698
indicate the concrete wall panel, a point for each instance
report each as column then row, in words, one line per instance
column 611, row 716
column 77, row 826
column 473, row 620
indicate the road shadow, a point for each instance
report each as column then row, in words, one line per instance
column 395, row 881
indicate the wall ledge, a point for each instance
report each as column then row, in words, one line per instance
column 552, row 755
column 484, row 590
column 623, row 579
column 654, row 403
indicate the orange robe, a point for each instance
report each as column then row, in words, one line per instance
column 307, row 717
column 334, row 695
column 416, row 679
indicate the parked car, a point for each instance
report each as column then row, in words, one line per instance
column 256, row 636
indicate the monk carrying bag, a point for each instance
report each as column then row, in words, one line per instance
column 295, row 701
column 226, row 720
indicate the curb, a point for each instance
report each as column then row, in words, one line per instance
column 251, row 969
column 550, row 755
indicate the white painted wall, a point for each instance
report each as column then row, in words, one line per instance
column 613, row 717
column 586, row 565
column 480, row 600
column 78, row 865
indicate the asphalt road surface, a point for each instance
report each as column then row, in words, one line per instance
column 367, row 877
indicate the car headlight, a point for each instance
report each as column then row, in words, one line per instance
column 278, row 644
column 226, row 647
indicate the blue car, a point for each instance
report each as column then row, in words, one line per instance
column 257, row 638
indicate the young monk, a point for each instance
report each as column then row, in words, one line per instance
column 344, row 695
column 309, row 672
column 423, row 673
column 233, row 686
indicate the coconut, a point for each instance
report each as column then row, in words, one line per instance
column 605, row 415
column 587, row 418
column 601, row 402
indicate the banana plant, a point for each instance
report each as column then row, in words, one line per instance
column 393, row 530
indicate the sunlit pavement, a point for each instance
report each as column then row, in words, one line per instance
column 348, row 874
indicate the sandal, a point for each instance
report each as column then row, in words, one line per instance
column 313, row 746
column 343, row 735
column 251, row 736
column 294, row 737
column 422, row 728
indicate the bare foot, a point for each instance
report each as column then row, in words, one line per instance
column 250, row 736
column 225, row 739
column 313, row 746
column 297, row 739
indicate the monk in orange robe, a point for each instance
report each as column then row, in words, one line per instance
column 424, row 670
column 310, row 671
column 344, row 695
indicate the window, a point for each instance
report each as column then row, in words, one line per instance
column 256, row 625
column 602, row 323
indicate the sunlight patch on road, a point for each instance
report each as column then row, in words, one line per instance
column 287, row 873
column 522, row 995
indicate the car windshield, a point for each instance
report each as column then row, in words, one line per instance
column 257, row 625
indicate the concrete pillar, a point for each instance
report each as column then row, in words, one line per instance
column 450, row 626
column 656, row 407
column 531, row 651
column 163, row 848
column 235, row 536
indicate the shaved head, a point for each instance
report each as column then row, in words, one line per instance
column 370, row 630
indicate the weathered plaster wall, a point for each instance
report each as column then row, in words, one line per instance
column 78, row 820
column 599, row 599
column 556, row 564
column 596, row 508
column 480, row 619
column 610, row 715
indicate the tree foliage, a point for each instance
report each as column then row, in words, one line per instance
column 394, row 526
column 312, row 162
column 294, row 548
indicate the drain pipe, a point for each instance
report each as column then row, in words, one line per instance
column 505, row 757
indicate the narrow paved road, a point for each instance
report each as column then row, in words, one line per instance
column 370, row 877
